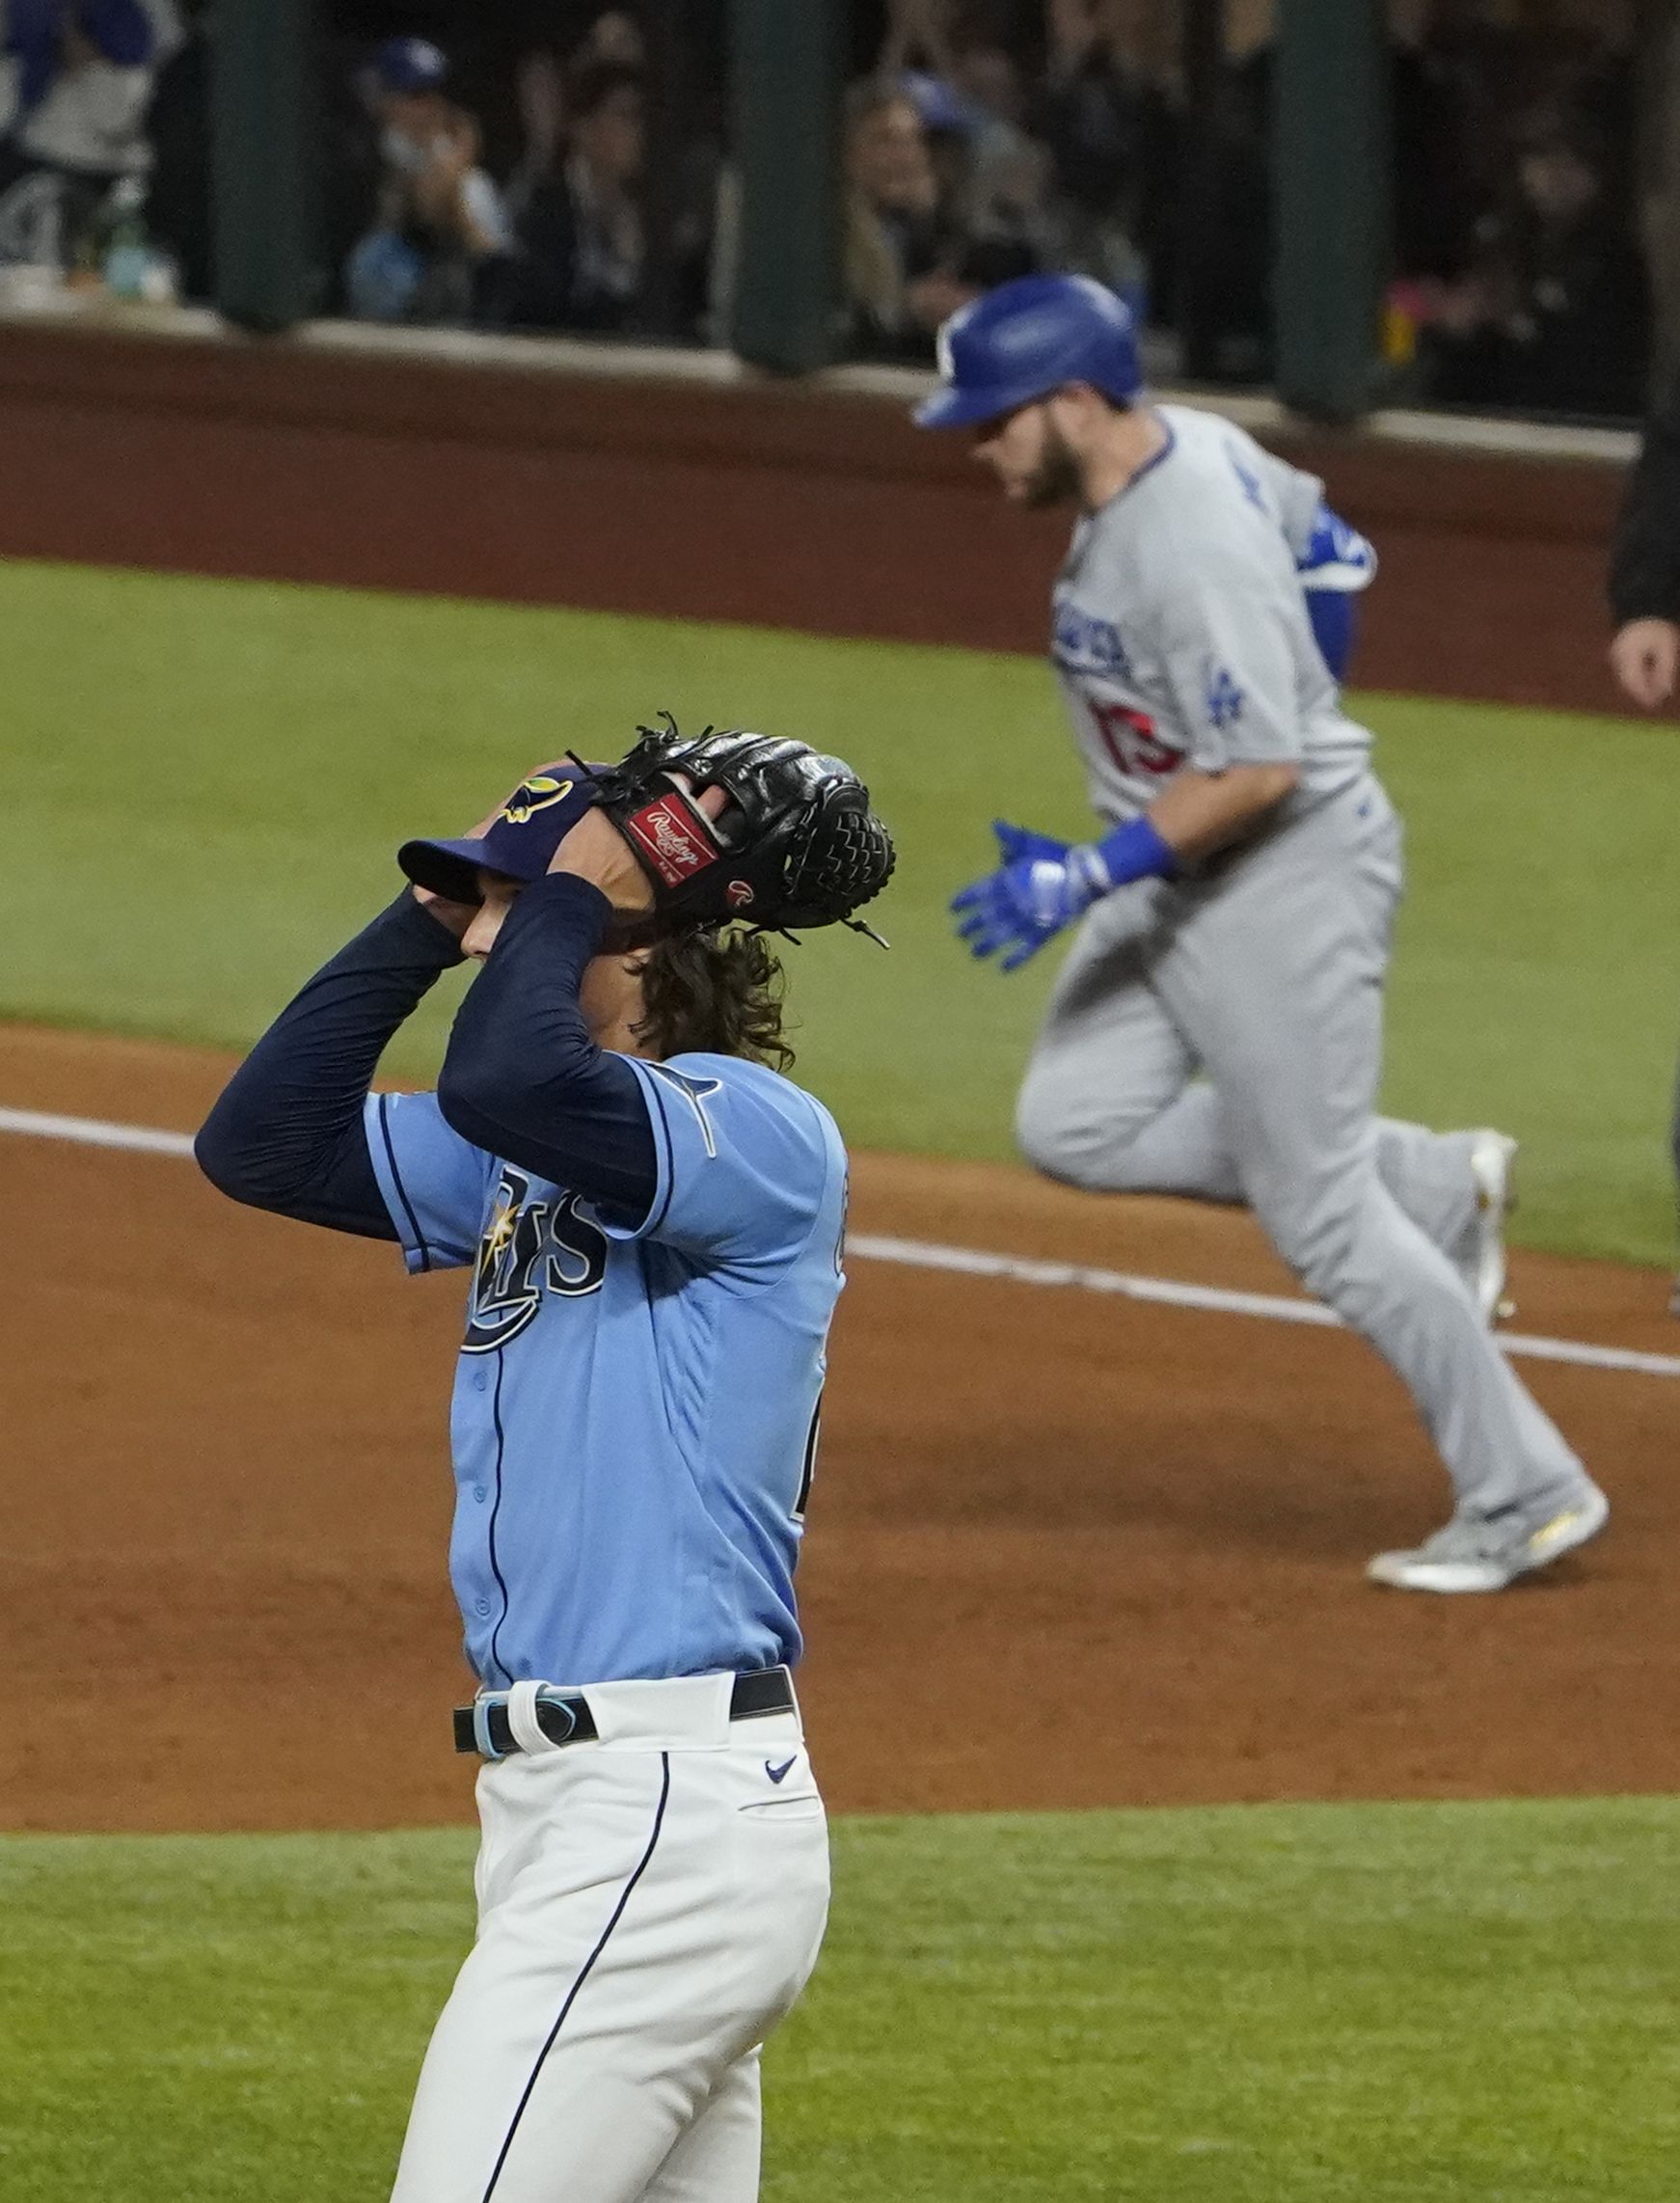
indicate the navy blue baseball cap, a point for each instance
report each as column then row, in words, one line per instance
column 518, row 841
column 410, row 64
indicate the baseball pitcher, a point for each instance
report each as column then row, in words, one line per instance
column 1217, row 1028
column 650, row 1218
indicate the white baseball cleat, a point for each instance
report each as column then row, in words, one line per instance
column 1473, row 1555
column 1492, row 1157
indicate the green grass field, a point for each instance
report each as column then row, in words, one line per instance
column 205, row 781
column 1282, row 2004
column 1303, row 2005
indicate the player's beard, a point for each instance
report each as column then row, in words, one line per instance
column 1056, row 479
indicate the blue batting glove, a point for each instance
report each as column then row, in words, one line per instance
column 1042, row 886
column 1015, row 842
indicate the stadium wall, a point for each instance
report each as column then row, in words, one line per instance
column 663, row 491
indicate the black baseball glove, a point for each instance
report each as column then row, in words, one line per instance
column 797, row 844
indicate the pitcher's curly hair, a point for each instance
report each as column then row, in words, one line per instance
column 715, row 993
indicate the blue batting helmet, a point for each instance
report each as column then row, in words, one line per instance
column 1027, row 339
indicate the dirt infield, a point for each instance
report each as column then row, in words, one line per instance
column 1066, row 1550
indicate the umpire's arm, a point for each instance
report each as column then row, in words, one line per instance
column 1645, row 573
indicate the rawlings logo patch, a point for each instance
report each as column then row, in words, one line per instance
column 738, row 894
column 672, row 839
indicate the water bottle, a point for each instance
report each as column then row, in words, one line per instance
column 127, row 259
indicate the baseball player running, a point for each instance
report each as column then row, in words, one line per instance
column 651, row 1217
column 1234, row 917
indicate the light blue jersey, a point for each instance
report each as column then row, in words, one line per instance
column 634, row 1412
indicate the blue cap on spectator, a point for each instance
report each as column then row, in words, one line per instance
column 410, row 64
column 939, row 107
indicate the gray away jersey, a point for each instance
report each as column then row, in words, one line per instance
column 1182, row 632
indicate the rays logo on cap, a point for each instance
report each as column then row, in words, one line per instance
column 538, row 794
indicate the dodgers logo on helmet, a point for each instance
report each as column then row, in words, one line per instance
column 535, row 795
column 942, row 353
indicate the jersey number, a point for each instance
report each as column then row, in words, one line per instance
column 1130, row 739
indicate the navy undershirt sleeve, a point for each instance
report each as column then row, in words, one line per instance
column 287, row 1133
column 523, row 1077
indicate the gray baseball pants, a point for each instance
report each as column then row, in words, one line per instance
column 1266, row 974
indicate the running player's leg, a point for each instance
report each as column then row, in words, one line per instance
column 640, row 1933
column 717, row 2160
column 1110, row 1100
column 1278, row 978
column 1431, row 1177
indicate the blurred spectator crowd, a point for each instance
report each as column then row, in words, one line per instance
column 565, row 167
column 993, row 140
column 555, row 237
column 1519, row 277
column 77, row 81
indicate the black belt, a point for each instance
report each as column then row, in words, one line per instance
column 564, row 1716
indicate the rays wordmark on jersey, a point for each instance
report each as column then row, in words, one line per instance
column 528, row 1248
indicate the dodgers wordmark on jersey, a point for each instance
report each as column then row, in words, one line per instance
column 1182, row 632
column 636, row 1404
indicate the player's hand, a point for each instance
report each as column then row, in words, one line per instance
column 1040, row 887
column 1646, row 659
column 595, row 849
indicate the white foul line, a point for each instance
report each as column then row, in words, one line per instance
column 962, row 1262
column 1164, row 1292
column 90, row 1132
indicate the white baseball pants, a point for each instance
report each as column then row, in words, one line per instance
column 649, row 1906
